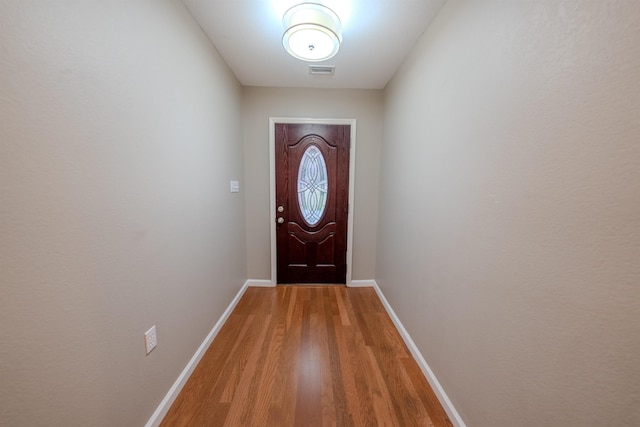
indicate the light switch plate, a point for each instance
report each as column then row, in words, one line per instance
column 235, row 186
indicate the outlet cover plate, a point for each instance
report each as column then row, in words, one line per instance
column 150, row 339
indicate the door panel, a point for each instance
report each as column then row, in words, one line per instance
column 312, row 250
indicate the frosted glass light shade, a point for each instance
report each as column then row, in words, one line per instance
column 312, row 32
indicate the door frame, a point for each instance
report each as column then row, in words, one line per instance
column 272, row 185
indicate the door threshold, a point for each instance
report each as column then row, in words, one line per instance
column 311, row 284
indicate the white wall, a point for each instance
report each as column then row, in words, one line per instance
column 120, row 130
column 509, row 235
column 363, row 105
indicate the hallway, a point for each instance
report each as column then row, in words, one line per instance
column 307, row 356
column 496, row 212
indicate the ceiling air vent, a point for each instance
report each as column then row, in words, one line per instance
column 322, row 70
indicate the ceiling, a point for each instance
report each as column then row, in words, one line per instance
column 377, row 36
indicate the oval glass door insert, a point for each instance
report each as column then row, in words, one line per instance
column 312, row 185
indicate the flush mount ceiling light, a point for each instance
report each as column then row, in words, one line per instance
column 312, row 32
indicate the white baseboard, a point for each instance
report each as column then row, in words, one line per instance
column 451, row 411
column 260, row 283
column 175, row 389
column 362, row 284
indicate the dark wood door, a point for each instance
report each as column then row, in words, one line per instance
column 312, row 195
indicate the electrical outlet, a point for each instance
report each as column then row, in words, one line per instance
column 150, row 339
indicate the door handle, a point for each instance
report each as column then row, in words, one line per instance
column 280, row 220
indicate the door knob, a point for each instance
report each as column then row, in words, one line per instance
column 280, row 208
column 280, row 220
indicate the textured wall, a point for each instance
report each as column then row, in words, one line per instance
column 509, row 236
column 120, row 130
column 363, row 105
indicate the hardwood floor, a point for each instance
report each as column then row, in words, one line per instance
column 307, row 356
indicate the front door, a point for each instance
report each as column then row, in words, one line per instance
column 312, row 194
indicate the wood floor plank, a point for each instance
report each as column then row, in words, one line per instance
column 344, row 317
column 283, row 401
column 354, row 344
column 307, row 356
column 333, row 360
column 426, row 394
column 239, row 412
column 269, row 372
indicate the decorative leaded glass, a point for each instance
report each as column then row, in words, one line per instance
column 312, row 185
